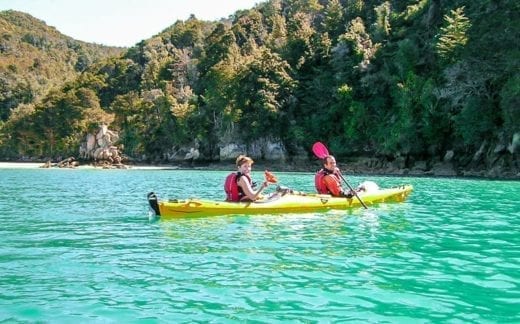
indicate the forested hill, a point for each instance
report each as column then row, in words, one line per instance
column 408, row 85
column 35, row 58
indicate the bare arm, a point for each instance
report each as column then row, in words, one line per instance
column 248, row 191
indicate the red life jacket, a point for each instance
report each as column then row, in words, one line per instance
column 319, row 183
column 328, row 187
column 233, row 191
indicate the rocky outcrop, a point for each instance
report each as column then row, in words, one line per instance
column 101, row 149
column 262, row 149
column 495, row 162
column 184, row 154
column 69, row 162
column 514, row 147
column 489, row 161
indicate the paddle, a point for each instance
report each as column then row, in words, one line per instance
column 270, row 177
column 321, row 152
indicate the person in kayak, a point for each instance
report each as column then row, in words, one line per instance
column 328, row 179
column 239, row 186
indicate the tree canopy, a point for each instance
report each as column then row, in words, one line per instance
column 388, row 78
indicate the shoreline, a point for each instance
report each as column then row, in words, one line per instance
column 350, row 169
column 40, row 165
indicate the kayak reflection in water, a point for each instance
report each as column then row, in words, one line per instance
column 239, row 186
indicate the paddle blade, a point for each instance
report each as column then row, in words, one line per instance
column 269, row 177
column 320, row 150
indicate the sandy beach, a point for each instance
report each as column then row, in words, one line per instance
column 20, row 165
column 36, row 165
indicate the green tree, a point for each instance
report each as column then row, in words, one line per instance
column 333, row 22
column 217, row 48
column 474, row 123
column 360, row 43
column 299, row 43
column 352, row 120
column 382, row 25
column 186, row 34
column 249, row 26
column 276, row 22
column 128, row 119
column 263, row 91
column 453, row 35
column 510, row 105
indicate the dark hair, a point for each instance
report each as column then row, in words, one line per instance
column 326, row 159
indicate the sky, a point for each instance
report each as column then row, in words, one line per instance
column 122, row 22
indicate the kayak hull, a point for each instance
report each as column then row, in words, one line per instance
column 278, row 203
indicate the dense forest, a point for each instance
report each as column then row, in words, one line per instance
column 410, row 81
column 35, row 58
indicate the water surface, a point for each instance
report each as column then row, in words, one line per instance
column 80, row 245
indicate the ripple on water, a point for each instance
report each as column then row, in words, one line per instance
column 79, row 245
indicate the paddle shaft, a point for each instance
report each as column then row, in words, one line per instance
column 353, row 191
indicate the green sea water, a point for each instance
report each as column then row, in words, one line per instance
column 81, row 246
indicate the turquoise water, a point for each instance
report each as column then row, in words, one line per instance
column 80, row 245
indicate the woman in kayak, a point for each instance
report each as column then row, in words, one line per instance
column 239, row 186
column 328, row 179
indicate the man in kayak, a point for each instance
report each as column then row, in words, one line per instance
column 239, row 186
column 328, row 179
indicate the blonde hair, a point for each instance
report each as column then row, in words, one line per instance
column 241, row 159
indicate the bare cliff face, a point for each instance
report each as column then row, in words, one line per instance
column 262, row 149
column 498, row 161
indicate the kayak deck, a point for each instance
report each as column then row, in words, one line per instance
column 283, row 201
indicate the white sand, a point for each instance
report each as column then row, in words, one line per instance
column 35, row 165
column 19, row 165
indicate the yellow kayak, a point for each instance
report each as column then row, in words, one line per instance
column 280, row 202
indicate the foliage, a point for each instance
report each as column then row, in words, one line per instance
column 453, row 35
column 35, row 58
column 391, row 78
column 510, row 105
